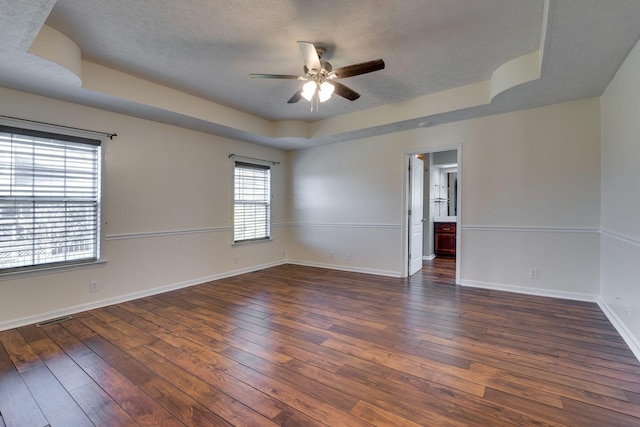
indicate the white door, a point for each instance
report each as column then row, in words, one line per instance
column 416, row 182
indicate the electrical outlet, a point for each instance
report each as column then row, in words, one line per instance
column 284, row 254
column 235, row 260
column 348, row 256
column 330, row 254
column 93, row 286
column 533, row 273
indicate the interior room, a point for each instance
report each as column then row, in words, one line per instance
column 440, row 200
column 517, row 303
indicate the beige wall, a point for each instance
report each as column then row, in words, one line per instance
column 167, row 213
column 347, row 206
column 620, row 251
column 531, row 197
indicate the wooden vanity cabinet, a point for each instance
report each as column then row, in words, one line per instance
column 445, row 238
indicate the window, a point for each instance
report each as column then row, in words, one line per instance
column 252, row 202
column 49, row 199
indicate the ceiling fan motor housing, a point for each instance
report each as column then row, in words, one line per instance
column 326, row 68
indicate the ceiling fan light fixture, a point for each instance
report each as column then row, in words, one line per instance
column 308, row 90
column 325, row 92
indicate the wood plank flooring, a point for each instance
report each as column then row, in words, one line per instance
column 302, row 346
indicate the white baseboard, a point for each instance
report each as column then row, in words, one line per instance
column 429, row 257
column 29, row 320
column 376, row 272
column 530, row 291
column 617, row 323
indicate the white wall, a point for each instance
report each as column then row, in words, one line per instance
column 346, row 206
column 531, row 185
column 448, row 157
column 620, row 249
column 167, row 211
column 531, row 198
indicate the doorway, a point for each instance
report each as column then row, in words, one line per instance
column 433, row 208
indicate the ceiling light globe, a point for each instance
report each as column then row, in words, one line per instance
column 326, row 89
column 308, row 90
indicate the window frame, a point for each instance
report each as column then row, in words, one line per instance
column 75, row 136
column 266, row 202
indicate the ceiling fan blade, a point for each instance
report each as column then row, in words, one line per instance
column 276, row 76
column 357, row 69
column 310, row 56
column 345, row 92
column 296, row 97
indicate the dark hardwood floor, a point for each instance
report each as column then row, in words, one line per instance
column 441, row 270
column 303, row 346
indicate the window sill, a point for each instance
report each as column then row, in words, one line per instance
column 251, row 242
column 11, row 275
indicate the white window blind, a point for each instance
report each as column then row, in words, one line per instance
column 252, row 202
column 49, row 199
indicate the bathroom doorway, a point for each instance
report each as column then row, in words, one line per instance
column 439, row 195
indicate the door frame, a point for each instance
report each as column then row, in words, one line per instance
column 406, row 205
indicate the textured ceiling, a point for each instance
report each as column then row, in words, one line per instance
column 207, row 49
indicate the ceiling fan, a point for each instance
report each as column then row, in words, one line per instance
column 321, row 77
